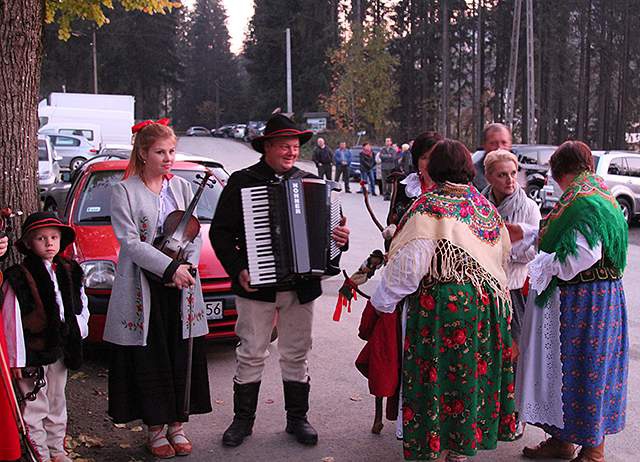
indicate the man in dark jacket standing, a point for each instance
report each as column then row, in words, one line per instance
column 323, row 158
column 280, row 146
column 388, row 163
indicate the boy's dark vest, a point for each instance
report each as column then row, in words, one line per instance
column 47, row 338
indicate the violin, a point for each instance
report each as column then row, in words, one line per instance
column 180, row 227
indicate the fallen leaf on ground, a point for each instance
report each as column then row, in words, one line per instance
column 83, row 459
column 79, row 376
column 91, row 441
column 356, row 397
column 70, row 443
column 120, row 425
column 268, row 401
column 137, row 428
column 124, row 445
column 219, row 401
column 328, row 459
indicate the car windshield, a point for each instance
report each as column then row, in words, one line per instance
column 95, row 198
column 42, row 150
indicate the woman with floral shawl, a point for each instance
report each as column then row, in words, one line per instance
column 572, row 373
column 447, row 260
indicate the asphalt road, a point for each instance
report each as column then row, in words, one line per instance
column 341, row 408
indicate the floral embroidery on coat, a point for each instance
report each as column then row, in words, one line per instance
column 144, row 228
column 193, row 317
column 138, row 323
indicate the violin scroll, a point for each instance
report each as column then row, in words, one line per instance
column 205, row 179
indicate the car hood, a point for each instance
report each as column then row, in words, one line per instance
column 100, row 243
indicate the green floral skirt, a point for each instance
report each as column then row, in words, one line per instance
column 458, row 383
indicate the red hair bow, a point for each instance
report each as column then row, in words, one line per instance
column 139, row 126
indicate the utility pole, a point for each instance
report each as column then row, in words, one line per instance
column 95, row 62
column 531, row 97
column 289, row 88
column 444, row 108
column 513, row 65
column 217, row 103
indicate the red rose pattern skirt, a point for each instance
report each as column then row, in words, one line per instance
column 458, row 382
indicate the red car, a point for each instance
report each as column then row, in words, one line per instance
column 87, row 210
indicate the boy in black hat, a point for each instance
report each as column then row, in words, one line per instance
column 280, row 146
column 45, row 317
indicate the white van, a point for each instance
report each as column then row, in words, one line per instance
column 113, row 115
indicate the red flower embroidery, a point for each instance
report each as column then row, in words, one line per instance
column 507, row 353
column 478, row 435
column 425, row 332
column 433, row 375
column 511, row 388
column 434, row 443
column 427, row 302
column 482, row 367
column 407, row 414
column 457, row 407
column 459, row 336
column 485, row 298
column 452, row 307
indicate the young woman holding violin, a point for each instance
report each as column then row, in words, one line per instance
column 156, row 312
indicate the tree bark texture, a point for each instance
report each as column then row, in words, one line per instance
column 21, row 26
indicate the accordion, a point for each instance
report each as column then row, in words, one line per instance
column 288, row 228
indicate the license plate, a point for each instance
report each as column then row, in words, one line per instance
column 214, row 310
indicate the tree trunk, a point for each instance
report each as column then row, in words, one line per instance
column 585, row 75
column 21, row 28
column 623, row 82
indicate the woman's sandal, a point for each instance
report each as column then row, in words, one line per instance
column 181, row 444
column 159, row 448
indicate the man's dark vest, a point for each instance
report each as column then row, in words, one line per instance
column 47, row 338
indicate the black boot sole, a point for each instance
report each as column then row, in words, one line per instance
column 306, row 442
column 233, row 444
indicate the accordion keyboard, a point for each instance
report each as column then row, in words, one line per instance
column 260, row 250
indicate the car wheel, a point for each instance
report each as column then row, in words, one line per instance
column 626, row 209
column 533, row 190
column 50, row 205
column 76, row 163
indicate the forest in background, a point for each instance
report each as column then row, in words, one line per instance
column 374, row 65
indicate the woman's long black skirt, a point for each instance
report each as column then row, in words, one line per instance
column 148, row 382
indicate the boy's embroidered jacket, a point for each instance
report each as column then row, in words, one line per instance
column 47, row 338
column 134, row 217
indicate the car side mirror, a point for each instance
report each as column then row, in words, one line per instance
column 57, row 157
column 65, row 176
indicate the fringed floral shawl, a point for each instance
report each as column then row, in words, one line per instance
column 472, row 243
column 586, row 207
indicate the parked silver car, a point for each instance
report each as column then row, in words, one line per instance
column 74, row 149
column 48, row 163
column 620, row 171
column 198, row 131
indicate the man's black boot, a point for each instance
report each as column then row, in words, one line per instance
column 245, row 401
column 296, row 403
